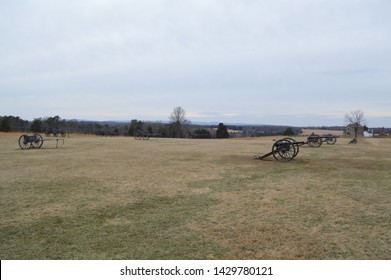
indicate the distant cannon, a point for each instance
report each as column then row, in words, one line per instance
column 107, row 133
column 315, row 140
column 145, row 135
column 55, row 133
column 142, row 135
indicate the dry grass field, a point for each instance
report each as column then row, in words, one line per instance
column 119, row 198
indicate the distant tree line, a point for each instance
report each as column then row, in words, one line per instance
column 50, row 124
column 11, row 123
column 177, row 127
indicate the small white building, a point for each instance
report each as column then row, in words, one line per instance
column 368, row 134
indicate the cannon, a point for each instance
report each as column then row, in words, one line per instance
column 286, row 149
column 145, row 135
column 55, row 133
column 107, row 133
column 140, row 134
column 315, row 140
column 34, row 141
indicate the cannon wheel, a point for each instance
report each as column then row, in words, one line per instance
column 314, row 141
column 331, row 140
column 138, row 135
column 284, row 150
column 293, row 142
column 146, row 136
column 37, row 141
column 24, row 142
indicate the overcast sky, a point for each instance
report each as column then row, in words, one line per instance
column 292, row 62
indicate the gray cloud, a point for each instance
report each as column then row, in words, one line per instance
column 231, row 57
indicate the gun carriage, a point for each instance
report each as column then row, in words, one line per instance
column 55, row 133
column 315, row 140
column 142, row 135
column 34, row 141
column 286, row 149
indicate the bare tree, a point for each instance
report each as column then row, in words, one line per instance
column 356, row 120
column 178, row 116
column 178, row 119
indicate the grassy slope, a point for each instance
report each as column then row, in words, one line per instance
column 118, row 198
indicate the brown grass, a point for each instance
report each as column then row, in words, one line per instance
column 119, row 198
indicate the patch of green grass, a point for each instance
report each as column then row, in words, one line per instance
column 154, row 228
